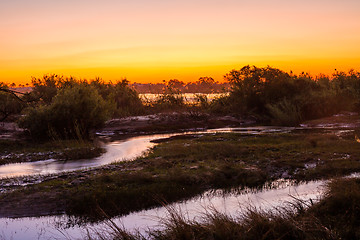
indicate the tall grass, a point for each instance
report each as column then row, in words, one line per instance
column 284, row 113
column 334, row 217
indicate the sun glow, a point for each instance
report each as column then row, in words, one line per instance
column 179, row 39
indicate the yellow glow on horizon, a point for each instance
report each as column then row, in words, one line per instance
column 184, row 73
column 175, row 39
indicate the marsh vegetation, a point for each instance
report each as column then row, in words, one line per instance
column 182, row 167
column 334, row 217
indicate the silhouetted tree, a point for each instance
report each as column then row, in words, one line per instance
column 10, row 102
column 287, row 98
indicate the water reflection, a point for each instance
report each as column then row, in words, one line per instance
column 234, row 203
column 188, row 97
column 116, row 151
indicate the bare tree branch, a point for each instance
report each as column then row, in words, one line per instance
column 13, row 92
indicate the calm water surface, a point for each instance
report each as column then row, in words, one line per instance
column 123, row 150
column 235, row 204
column 188, row 97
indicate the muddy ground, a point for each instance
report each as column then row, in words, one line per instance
column 167, row 123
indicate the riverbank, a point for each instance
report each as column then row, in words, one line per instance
column 335, row 216
column 19, row 151
column 274, row 195
column 183, row 167
column 170, row 122
column 17, row 147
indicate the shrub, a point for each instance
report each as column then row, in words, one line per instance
column 286, row 98
column 126, row 99
column 284, row 112
column 170, row 99
column 46, row 88
column 73, row 112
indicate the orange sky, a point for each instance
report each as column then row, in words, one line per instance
column 148, row 41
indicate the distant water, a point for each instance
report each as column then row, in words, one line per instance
column 188, row 97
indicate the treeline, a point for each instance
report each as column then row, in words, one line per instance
column 203, row 85
column 65, row 107
column 284, row 98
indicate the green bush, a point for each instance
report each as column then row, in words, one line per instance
column 126, row 99
column 170, row 99
column 73, row 112
column 45, row 88
column 285, row 98
column 285, row 113
column 222, row 105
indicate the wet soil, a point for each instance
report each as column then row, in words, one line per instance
column 10, row 131
column 116, row 129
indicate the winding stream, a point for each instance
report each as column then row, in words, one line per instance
column 235, row 203
column 123, row 150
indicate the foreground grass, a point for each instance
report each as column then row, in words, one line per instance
column 182, row 168
column 15, row 151
column 186, row 166
column 336, row 216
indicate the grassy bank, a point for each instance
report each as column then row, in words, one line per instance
column 334, row 217
column 183, row 167
column 15, row 151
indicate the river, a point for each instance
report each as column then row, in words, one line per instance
column 234, row 203
column 123, row 150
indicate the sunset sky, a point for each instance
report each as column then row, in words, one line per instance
column 148, row 41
